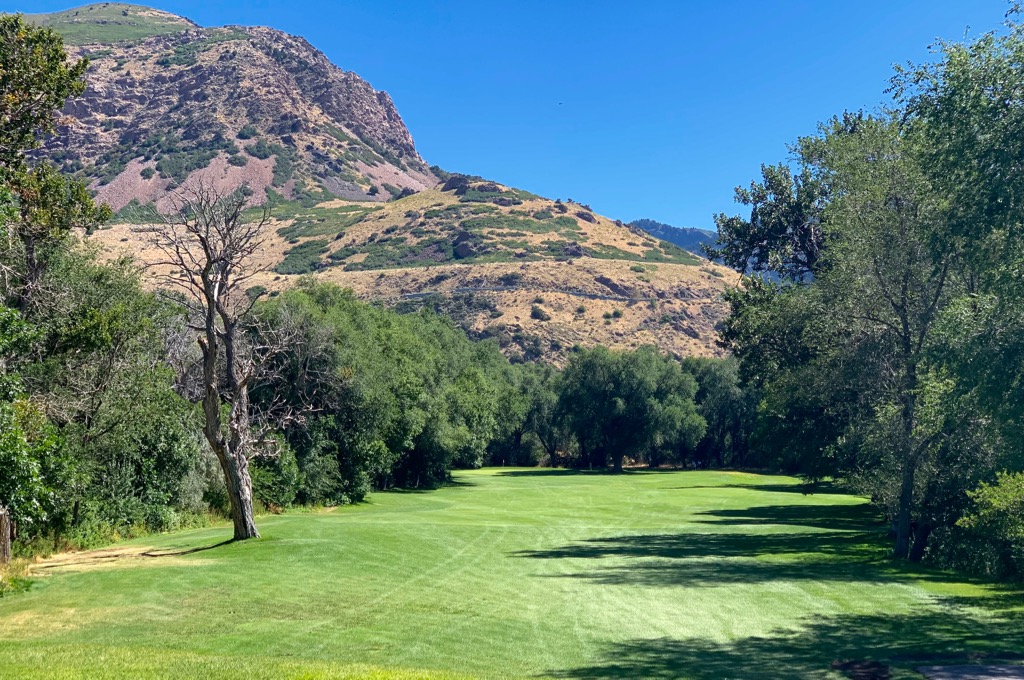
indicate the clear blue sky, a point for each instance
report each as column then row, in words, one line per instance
column 647, row 108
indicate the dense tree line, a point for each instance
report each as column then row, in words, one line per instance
column 606, row 408
column 887, row 349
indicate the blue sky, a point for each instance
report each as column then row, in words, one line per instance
column 647, row 108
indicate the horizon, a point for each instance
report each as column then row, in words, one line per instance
column 656, row 155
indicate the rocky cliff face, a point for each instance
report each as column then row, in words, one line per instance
column 237, row 106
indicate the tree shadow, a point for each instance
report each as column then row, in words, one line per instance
column 858, row 517
column 189, row 551
column 954, row 631
column 550, row 472
column 828, row 543
column 718, row 545
column 822, row 488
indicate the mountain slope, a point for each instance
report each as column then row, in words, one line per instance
column 234, row 105
column 687, row 238
column 262, row 111
column 539, row 276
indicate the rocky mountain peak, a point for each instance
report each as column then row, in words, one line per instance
column 240, row 106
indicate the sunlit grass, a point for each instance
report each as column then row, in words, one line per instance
column 512, row 574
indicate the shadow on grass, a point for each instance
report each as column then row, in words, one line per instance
column 838, row 544
column 859, row 517
column 823, row 488
column 189, row 551
column 712, row 560
column 568, row 472
column 550, row 472
column 952, row 632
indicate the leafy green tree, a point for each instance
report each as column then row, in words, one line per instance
column 784, row 232
column 543, row 419
column 728, row 408
column 38, row 79
column 395, row 400
column 41, row 206
column 844, row 359
column 628, row 404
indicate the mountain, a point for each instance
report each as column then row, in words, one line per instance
column 175, row 102
column 169, row 103
column 687, row 238
column 111, row 22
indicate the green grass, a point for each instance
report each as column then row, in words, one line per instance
column 108, row 22
column 519, row 573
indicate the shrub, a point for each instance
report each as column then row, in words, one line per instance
column 247, row 132
column 537, row 312
column 260, row 150
column 581, row 310
column 238, row 160
column 147, row 173
column 303, row 258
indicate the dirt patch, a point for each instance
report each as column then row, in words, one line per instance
column 106, row 558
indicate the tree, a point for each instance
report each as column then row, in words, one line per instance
column 628, row 404
column 38, row 207
column 847, row 387
column 37, row 80
column 211, row 249
column 543, row 418
column 727, row 406
column 783, row 234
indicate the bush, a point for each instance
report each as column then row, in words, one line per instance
column 238, row 160
column 147, row 173
column 538, row 313
column 303, row 258
column 260, row 150
column 247, row 132
column 275, row 479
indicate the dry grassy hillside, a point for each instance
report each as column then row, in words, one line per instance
column 538, row 275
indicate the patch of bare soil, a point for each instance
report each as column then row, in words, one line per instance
column 121, row 556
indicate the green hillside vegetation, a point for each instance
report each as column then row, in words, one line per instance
column 110, row 22
column 465, row 225
column 517, row 573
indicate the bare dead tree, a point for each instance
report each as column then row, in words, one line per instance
column 211, row 248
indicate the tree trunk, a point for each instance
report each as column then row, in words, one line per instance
column 921, row 534
column 903, row 512
column 231, row 452
column 617, row 462
column 5, row 536
column 239, row 483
